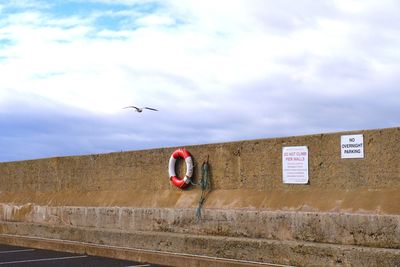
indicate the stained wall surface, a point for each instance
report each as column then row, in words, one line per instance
column 245, row 174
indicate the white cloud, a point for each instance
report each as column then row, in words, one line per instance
column 236, row 69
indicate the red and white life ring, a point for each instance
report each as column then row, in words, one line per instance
column 183, row 153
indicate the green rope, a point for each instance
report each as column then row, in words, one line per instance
column 204, row 186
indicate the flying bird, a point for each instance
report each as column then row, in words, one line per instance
column 141, row 109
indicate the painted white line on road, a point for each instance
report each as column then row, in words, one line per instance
column 45, row 259
column 15, row 251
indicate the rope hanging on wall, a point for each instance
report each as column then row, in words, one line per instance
column 205, row 186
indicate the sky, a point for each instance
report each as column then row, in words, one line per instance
column 217, row 71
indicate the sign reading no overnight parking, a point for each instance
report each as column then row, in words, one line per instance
column 352, row 146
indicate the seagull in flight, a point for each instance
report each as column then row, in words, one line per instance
column 141, row 109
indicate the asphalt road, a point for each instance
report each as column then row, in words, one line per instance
column 20, row 256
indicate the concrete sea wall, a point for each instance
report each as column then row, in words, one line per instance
column 347, row 215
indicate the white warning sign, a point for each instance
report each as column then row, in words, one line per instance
column 352, row 146
column 295, row 165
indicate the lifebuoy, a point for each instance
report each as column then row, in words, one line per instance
column 183, row 153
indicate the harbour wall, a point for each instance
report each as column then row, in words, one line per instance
column 348, row 214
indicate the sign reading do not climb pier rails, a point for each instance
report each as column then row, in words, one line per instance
column 295, row 165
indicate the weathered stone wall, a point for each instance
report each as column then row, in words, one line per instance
column 349, row 204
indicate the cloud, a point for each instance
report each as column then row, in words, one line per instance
column 217, row 70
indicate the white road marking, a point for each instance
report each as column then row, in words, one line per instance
column 45, row 259
column 15, row 251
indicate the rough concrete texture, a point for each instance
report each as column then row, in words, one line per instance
column 350, row 206
column 159, row 257
column 340, row 228
column 296, row 253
